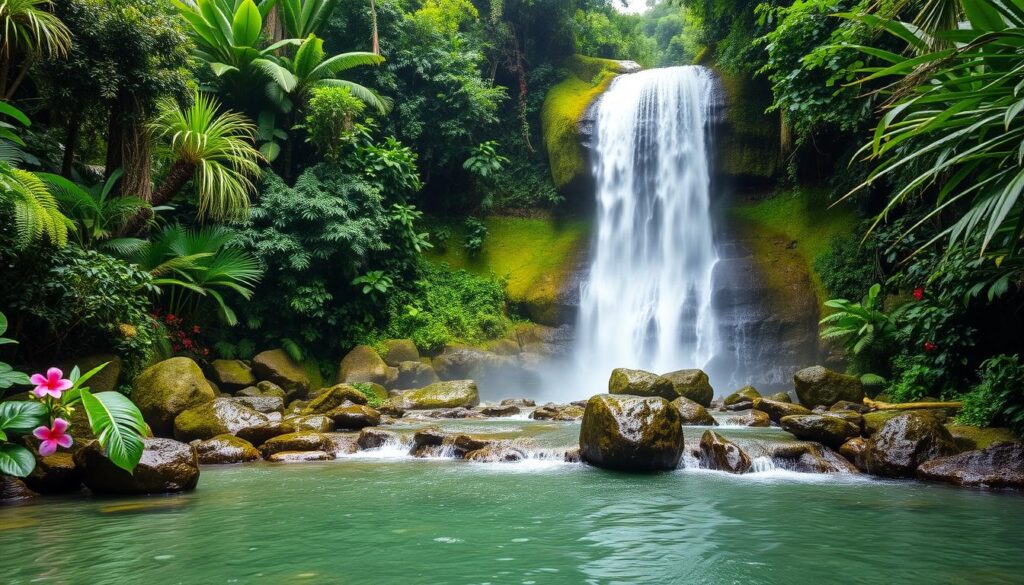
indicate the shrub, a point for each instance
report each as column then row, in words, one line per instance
column 999, row 398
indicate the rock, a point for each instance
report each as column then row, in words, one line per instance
column 640, row 383
column 54, row 474
column 415, row 375
column 341, row 444
column 450, row 394
column 631, row 433
column 507, row 410
column 753, row 418
column 905, row 442
column 972, row 438
column 853, row 450
column 496, row 453
column 354, row 417
column 268, row 388
column 261, row 433
column 166, row 389
column 225, row 449
column 827, row 430
column 520, row 402
column 776, row 410
column 363, row 364
column 430, row 436
column 12, row 488
column 396, row 351
column 232, row 375
column 277, row 366
column 742, row 398
column 1000, row 465
column 692, row 384
column 333, row 397
column 372, row 438
column 849, row 416
column 807, row 457
column 166, row 466
column 858, row 407
column 299, row 456
column 873, row 421
column 562, row 412
column 717, row 452
column 781, row 397
column 693, row 413
column 297, row 441
column 459, row 412
column 460, row 445
column 504, row 347
column 459, row 363
column 222, row 415
column 264, row 404
column 820, row 386
column 106, row 380
column 320, row 423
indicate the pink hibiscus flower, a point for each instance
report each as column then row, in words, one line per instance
column 52, row 384
column 53, row 437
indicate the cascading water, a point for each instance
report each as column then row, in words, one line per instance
column 646, row 301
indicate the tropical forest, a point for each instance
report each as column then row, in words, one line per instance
column 469, row 292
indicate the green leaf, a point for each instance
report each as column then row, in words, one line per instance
column 118, row 425
column 247, row 24
column 21, row 416
column 8, row 377
column 16, row 460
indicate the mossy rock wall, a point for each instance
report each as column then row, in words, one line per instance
column 564, row 108
column 539, row 256
column 748, row 139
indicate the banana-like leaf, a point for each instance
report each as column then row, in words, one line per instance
column 16, row 460
column 21, row 416
column 118, row 425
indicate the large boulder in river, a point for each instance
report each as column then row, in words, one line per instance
column 298, row 441
column 905, row 442
column 277, row 366
column 232, row 375
column 225, row 449
column 165, row 389
column 631, row 433
column 220, row 416
column 166, row 466
column 330, row 398
column 693, row 413
column 742, row 398
column 820, row 386
column 776, row 410
column 364, row 364
column 1000, row 465
column 396, row 351
column 828, row 430
column 353, row 417
column 717, row 452
column 414, row 375
column 810, row 457
column 692, row 384
column 263, row 432
column 640, row 383
column 450, row 394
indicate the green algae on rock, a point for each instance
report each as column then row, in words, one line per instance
column 631, row 433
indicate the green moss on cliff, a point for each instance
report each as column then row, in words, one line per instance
column 749, row 145
column 563, row 108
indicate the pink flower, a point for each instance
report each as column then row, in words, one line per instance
column 52, row 384
column 53, row 437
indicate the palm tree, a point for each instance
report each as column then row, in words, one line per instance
column 29, row 31
column 294, row 78
column 98, row 211
column 215, row 148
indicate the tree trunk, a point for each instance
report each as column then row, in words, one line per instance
column 179, row 174
column 137, row 160
column 70, row 141
column 913, row 405
column 373, row 24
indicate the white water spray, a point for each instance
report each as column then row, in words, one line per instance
column 646, row 302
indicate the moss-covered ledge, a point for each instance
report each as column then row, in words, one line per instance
column 564, row 108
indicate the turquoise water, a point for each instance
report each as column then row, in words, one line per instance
column 376, row 521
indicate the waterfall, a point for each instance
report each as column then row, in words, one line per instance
column 646, row 300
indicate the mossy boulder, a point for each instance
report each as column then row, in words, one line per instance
column 742, row 398
column 364, row 364
column 375, row 438
column 810, row 457
column 320, row 423
column 776, row 410
column 264, row 404
column 414, row 374
column 631, row 433
column 875, row 420
column 450, row 394
column 263, row 432
column 906, row 441
column 971, row 438
column 299, row 456
column 166, row 389
column 641, row 383
column 54, row 474
column 330, row 398
column 717, row 452
column 225, row 449
column 752, row 418
column 496, row 453
column 264, row 388
column 232, row 375
column 563, row 412
column 1000, row 465
column 693, row 413
column 107, row 379
column 853, row 450
column 217, row 417
column 820, row 386
column 828, row 430
column 298, row 441
column 166, row 466
column 781, row 397
column 692, row 384
column 354, row 417
column 277, row 366
column 396, row 351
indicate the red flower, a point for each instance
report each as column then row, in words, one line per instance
column 195, row 329
column 918, row 293
column 929, row 346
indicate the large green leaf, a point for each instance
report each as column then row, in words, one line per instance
column 21, row 416
column 16, row 460
column 247, row 24
column 118, row 425
column 9, row 377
